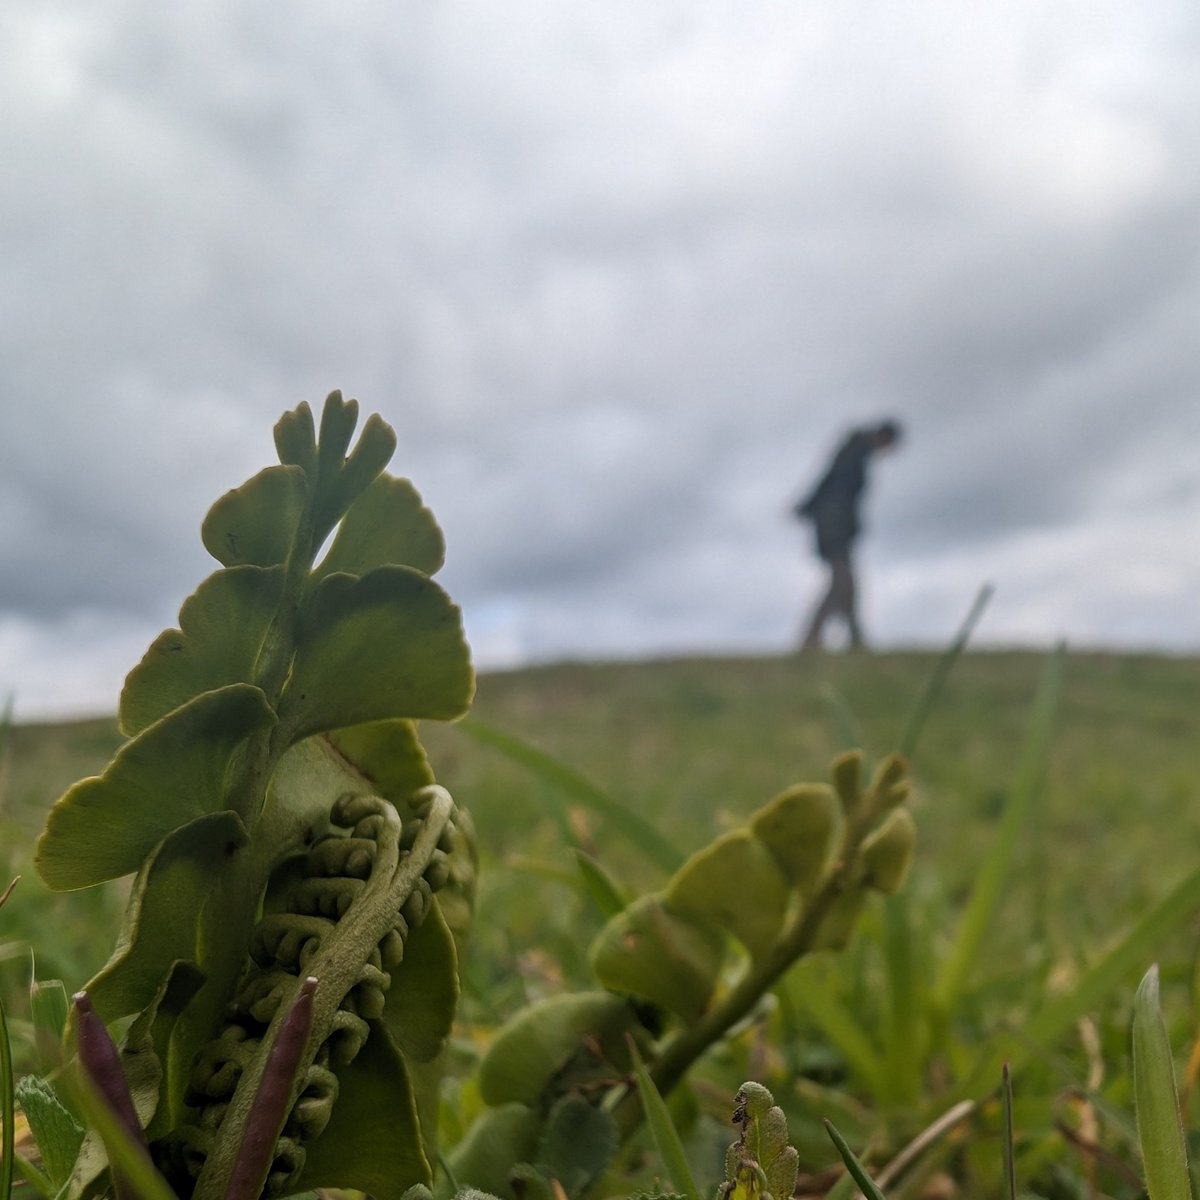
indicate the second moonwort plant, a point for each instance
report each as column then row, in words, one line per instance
column 289, row 955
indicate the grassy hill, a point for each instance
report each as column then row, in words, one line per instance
column 693, row 745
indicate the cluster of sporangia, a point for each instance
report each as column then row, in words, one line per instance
column 339, row 876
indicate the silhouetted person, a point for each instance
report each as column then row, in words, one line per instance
column 832, row 507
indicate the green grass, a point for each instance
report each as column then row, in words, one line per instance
column 692, row 746
column 696, row 744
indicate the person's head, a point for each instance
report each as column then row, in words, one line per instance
column 885, row 435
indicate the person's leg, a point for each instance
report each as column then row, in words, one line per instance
column 844, row 594
column 826, row 607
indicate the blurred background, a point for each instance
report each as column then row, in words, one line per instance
column 622, row 278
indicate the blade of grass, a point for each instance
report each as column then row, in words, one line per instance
column 866, row 1184
column 124, row 1153
column 1155, row 1100
column 925, row 702
column 581, row 790
column 600, row 884
column 666, row 1136
column 902, row 1067
column 1010, row 1163
column 7, row 1110
column 989, row 885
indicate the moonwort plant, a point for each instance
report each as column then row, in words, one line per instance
column 290, row 972
column 681, row 967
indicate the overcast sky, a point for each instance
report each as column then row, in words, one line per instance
column 621, row 275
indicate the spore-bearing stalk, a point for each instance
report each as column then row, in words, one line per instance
column 346, row 922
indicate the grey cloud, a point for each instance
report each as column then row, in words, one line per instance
column 621, row 278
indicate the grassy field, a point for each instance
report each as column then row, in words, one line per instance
column 695, row 745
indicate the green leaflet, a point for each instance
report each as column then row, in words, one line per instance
column 221, row 630
column 388, row 644
column 577, row 1144
column 388, row 525
column 888, row 851
column 342, row 480
column 296, row 439
column 800, row 827
column 532, row 1048
column 735, row 882
column 171, row 773
column 177, row 876
column 420, row 1005
column 389, row 753
column 651, row 951
column 256, row 524
column 373, row 1142
column 501, row 1138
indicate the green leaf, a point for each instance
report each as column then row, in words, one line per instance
column 389, row 754
column 577, row 1144
column 580, row 790
column 495, row 1143
column 662, row 1129
column 735, row 883
column 145, row 1053
column 296, row 439
column 221, row 630
column 374, row 449
column 338, row 419
column 387, row 526
column 256, row 524
column 57, row 1133
column 650, row 951
column 420, row 1005
column 847, row 771
column 388, row 644
column 800, row 827
column 177, row 876
column 373, row 1140
column 168, row 775
column 887, row 852
column 1156, row 1100
column 536, row 1044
